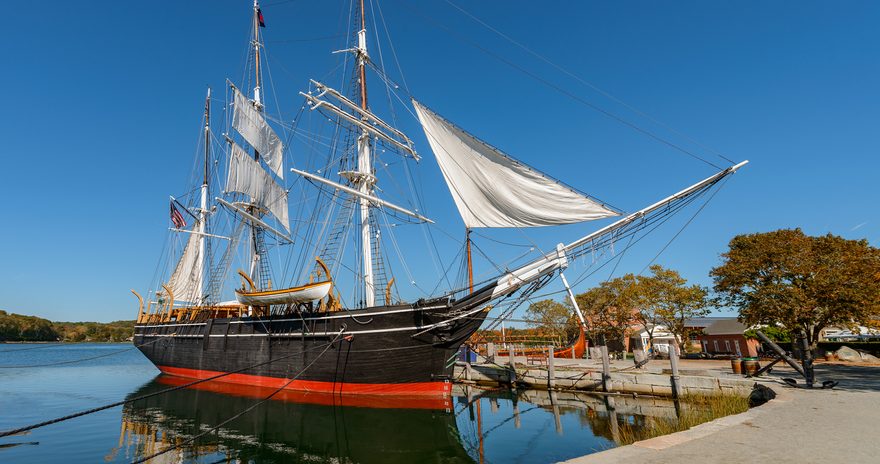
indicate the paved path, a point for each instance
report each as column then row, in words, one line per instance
column 800, row 426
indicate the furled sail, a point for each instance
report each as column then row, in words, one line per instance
column 248, row 122
column 184, row 281
column 248, row 177
column 491, row 189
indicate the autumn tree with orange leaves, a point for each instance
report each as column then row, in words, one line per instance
column 799, row 282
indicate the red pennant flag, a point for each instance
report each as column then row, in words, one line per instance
column 260, row 17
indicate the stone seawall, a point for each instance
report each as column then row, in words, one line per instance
column 632, row 381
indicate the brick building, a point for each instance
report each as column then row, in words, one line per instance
column 726, row 337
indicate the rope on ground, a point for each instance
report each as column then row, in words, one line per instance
column 149, row 395
column 74, row 361
column 243, row 412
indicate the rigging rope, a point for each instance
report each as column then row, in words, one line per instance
column 587, row 83
column 243, row 412
column 19, row 430
column 563, row 91
column 683, row 227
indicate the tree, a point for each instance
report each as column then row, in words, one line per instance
column 553, row 317
column 665, row 298
column 611, row 307
column 800, row 283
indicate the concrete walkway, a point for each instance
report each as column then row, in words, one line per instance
column 799, row 426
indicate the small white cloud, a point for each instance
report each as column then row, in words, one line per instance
column 858, row 227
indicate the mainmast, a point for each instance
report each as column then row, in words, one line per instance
column 258, row 105
column 365, row 179
column 203, row 206
column 470, row 262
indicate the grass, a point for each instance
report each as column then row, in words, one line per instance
column 695, row 410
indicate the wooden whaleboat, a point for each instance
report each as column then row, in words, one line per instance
column 308, row 293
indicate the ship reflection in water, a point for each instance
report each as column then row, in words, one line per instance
column 475, row 426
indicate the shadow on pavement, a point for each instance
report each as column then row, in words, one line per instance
column 851, row 377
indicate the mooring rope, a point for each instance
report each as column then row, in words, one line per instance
column 150, row 395
column 59, row 363
column 41, row 346
column 244, row 411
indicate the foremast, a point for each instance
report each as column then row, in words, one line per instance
column 203, row 205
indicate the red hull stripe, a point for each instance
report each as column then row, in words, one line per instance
column 439, row 403
column 404, row 389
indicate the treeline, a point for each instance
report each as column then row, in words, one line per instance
column 19, row 328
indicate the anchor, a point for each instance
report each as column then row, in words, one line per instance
column 805, row 370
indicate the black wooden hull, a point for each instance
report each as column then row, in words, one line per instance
column 401, row 350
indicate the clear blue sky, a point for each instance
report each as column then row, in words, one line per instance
column 103, row 105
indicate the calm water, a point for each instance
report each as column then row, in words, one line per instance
column 291, row 427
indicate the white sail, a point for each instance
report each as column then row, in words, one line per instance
column 184, row 281
column 248, row 177
column 491, row 189
column 248, row 122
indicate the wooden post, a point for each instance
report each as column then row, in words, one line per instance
column 467, row 362
column 807, row 360
column 516, row 420
column 673, row 361
column 490, row 352
column 606, row 365
column 556, row 416
column 511, row 355
column 551, row 371
column 612, row 419
column 480, row 429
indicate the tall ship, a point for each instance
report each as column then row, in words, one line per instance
column 279, row 269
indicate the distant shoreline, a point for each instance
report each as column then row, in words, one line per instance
column 18, row 328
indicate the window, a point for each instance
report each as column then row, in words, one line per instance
column 715, row 342
column 705, row 346
column 727, row 346
column 736, row 345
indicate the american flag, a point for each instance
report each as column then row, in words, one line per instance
column 177, row 218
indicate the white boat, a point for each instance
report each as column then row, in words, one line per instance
column 294, row 295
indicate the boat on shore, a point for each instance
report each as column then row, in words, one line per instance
column 318, row 332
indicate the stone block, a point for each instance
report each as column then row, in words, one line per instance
column 735, row 383
column 588, row 384
column 625, row 378
column 700, row 391
column 654, row 379
column 710, row 383
column 565, row 383
column 639, row 388
column 661, row 390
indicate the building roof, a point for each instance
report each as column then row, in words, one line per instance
column 702, row 322
column 725, row 327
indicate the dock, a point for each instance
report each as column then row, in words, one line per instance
column 695, row 377
column 798, row 426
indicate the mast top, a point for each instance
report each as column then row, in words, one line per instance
column 362, row 56
column 257, row 24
